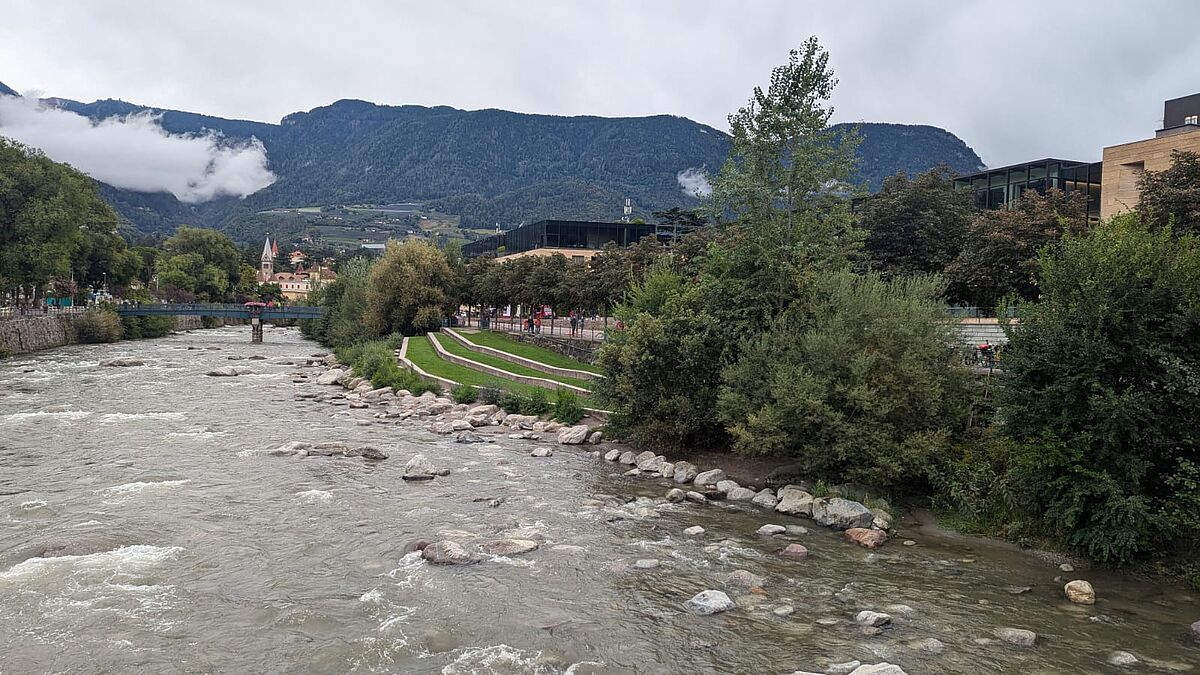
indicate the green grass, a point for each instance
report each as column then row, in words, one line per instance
column 497, row 340
column 452, row 346
column 421, row 352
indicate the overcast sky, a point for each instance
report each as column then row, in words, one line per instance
column 1015, row 79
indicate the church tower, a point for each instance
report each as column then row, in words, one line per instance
column 266, row 263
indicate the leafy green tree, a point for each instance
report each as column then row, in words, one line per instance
column 215, row 248
column 1172, row 196
column 409, row 289
column 916, row 225
column 1102, row 389
column 346, row 297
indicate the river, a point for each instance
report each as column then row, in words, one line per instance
column 190, row 551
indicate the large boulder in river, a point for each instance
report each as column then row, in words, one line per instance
column 227, row 371
column 740, row 494
column 122, row 362
column 795, row 502
column 573, row 435
column 1080, row 592
column 709, row 477
column 841, row 514
column 330, row 376
column 419, row 468
column 448, row 553
column 685, row 472
column 709, row 602
column 867, row 538
column 765, row 498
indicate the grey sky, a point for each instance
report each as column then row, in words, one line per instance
column 1017, row 80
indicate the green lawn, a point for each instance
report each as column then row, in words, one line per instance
column 421, row 352
column 452, row 346
column 498, row 340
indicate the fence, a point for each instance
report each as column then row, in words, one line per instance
column 11, row 312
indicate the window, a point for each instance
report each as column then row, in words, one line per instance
column 1192, row 119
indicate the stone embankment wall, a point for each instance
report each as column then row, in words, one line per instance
column 582, row 350
column 34, row 333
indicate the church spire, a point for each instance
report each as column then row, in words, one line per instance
column 266, row 262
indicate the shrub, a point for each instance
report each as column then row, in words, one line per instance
column 537, row 403
column 512, row 402
column 567, row 408
column 490, row 395
column 376, row 361
column 464, row 393
column 98, row 326
column 139, row 327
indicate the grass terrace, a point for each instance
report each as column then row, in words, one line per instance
column 501, row 341
column 452, row 346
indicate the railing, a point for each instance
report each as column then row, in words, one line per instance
column 223, row 310
column 48, row 310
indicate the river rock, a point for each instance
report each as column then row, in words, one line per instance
column 710, row 477
column 769, row 530
column 292, row 448
column 1017, row 636
column 878, row 669
column 882, row 520
column 227, row 371
column 685, row 472
column 693, row 496
column 367, row 452
column 1196, row 632
column 795, row 502
column 929, row 646
column 330, row 376
column 469, row 437
column 612, row 455
column 485, row 410
column 446, row 552
column 596, row 438
column 573, row 435
column 122, row 362
column 724, row 486
column 872, row 619
column 742, row 579
column 675, row 495
column 646, row 564
column 795, row 552
column 841, row 514
column 740, row 494
column 509, row 546
column 694, row 531
column 844, row 668
column 650, row 464
column 666, row 469
column 419, row 468
column 867, row 538
column 1122, row 659
column 627, row 457
column 709, row 602
column 542, row 452
column 1080, row 592
column 765, row 498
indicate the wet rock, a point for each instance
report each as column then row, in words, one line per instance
column 900, row 609
column 797, row 530
column 724, row 486
column 227, row 371
column 743, row 580
column 696, row 530
column 1017, row 636
column 770, row 529
column 685, row 472
column 447, row 552
column 842, row 668
column 666, row 469
column 1080, row 592
column 542, row 452
column 366, row 452
column 795, row 552
column 909, row 542
column 740, row 494
column 1122, row 659
column 612, row 455
column 882, row 520
column 795, row 503
column 693, row 496
column 765, row 498
column 651, row 464
column 573, row 435
column 709, row 602
column 442, row 472
column 675, row 495
column 509, row 546
column 878, row 669
column 784, row 610
column 469, row 437
column 415, row 545
column 1196, row 632
column 326, row 450
column 419, row 468
column 292, row 448
column 330, row 376
column 929, row 646
column 867, row 538
column 646, row 564
column 872, row 619
column 841, row 514
column 709, row 477
column 596, row 438
column 627, row 457
column 123, row 362
column 1066, row 567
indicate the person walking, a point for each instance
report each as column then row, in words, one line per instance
column 538, row 323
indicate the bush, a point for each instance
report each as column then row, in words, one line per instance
column 567, row 408
column 537, row 403
column 98, row 326
column 376, row 361
column 464, row 393
column 140, row 327
column 512, row 402
column 490, row 396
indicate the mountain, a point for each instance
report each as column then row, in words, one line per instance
column 485, row 166
column 6, row 90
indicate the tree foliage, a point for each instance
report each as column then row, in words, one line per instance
column 916, row 225
column 1172, row 196
column 408, row 290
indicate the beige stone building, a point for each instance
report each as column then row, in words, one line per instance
column 1125, row 163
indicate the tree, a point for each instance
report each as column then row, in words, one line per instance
column 409, row 289
column 1102, row 390
column 215, row 248
column 1172, row 196
column 1000, row 256
column 916, row 225
column 346, row 297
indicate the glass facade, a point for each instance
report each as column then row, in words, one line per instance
column 577, row 234
column 995, row 188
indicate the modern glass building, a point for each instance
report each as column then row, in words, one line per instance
column 995, row 188
column 572, row 238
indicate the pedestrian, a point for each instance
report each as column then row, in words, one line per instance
column 574, row 323
column 538, row 323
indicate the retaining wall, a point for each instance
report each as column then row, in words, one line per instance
column 34, row 333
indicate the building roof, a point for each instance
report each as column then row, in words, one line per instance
column 1021, row 165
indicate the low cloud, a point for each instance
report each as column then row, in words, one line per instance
column 694, row 182
column 136, row 153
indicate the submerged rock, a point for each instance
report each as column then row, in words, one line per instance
column 1080, row 592
column 867, row 538
column 709, row 602
column 743, row 580
column 697, row 530
column 646, row 564
column 771, row 529
column 1122, row 659
column 122, row 362
column 509, row 546
column 227, row 371
column 447, row 552
column 1017, row 636
column 841, row 514
column 795, row 552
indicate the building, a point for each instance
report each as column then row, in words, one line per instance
column 1124, row 164
column 578, row 240
column 296, row 285
column 994, row 188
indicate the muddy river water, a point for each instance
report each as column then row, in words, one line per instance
column 189, row 550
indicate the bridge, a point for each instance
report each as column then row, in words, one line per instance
column 256, row 313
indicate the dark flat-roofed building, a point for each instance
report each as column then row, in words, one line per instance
column 994, row 188
column 576, row 239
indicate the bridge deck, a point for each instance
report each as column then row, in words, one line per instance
column 229, row 311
